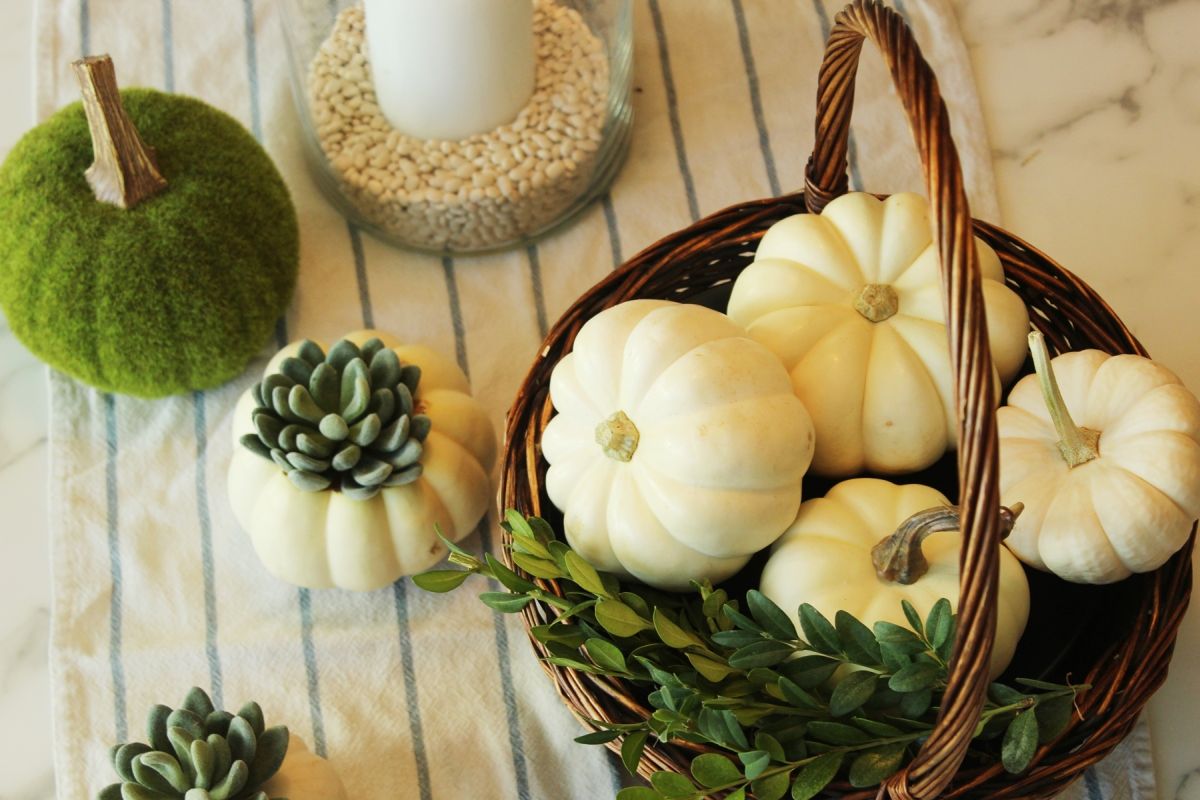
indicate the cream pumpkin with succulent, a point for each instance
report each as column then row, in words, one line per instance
column 346, row 463
column 869, row 543
column 678, row 448
column 851, row 301
column 1104, row 451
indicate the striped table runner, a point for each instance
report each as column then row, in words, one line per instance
column 410, row 695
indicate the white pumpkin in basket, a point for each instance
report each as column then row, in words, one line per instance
column 678, row 448
column 851, row 301
column 869, row 543
column 346, row 462
column 1104, row 451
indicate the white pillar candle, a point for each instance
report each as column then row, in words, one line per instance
column 449, row 69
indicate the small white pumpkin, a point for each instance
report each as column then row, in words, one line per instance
column 825, row 559
column 1116, row 493
column 328, row 538
column 678, row 448
column 305, row 776
column 851, row 301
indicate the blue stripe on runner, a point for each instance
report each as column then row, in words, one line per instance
column 664, row 58
column 310, row 673
column 1092, row 783
column 114, row 565
column 856, row 182
column 360, row 272
column 614, row 235
column 168, row 38
column 85, row 28
column 760, row 121
column 539, row 294
column 206, row 553
column 409, row 673
column 252, row 68
column 501, row 633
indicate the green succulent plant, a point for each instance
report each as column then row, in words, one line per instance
column 344, row 421
column 197, row 752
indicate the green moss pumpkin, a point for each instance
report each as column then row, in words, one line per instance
column 174, row 294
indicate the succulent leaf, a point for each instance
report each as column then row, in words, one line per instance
column 242, row 741
column 232, row 783
column 181, row 743
column 204, row 762
column 304, row 406
column 168, row 768
column 297, row 369
column 217, row 722
column 185, row 719
column 110, row 792
column 222, row 755
column 123, row 756
column 156, row 727
column 133, row 791
column 252, row 713
column 272, row 747
column 343, row 421
column 198, row 702
column 311, row 352
column 149, row 777
column 366, row 430
column 324, row 387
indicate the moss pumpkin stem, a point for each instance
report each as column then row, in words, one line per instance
column 124, row 172
column 1077, row 445
column 898, row 557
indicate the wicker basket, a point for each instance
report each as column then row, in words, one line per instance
column 1124, row 657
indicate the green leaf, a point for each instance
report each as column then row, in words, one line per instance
column 876, row 765
column 606, row 655
column 741, row 620
column 740, row 794
column 1020, row 742
column 517, row 524
column 504, row 602
column 511, row 580
column 914, row 619
column 836, row 733
column 914, row 705
column 900, row 639
column 584, row 574
column 636, row 602
column 937, row 624
column 538, row 567
column 632, row 749
column 767, row 742
column 772, row 787
column 571, row 663
column 816, row 775
column 765, row 653
column 773, row 619
column 736, row 638
column 672, row 784
column 877, row 728
column 441, row 580
column 712, row 669
column 916, row 677
column 858, row 640
column 1053, row 716
column 638, row 793
column 809, row 672
column 821, row 635
column 756, row 762
column 851, row 692
column 619, row 619
column 1043, row 685
column 597, row 737
column 712, row 770
column 711, row 607
column 671, row 634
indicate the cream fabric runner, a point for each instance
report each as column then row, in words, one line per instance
column 410, row 695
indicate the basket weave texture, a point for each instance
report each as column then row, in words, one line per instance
column 1130, row 666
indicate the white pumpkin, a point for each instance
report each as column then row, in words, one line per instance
column 325, row 538
column 1121, row 492
column 305, row 776
column 825, row 559
column 851, row 301
column 678, row 448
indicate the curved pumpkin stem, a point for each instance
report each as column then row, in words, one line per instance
column 1077, row 445
column 898, row 558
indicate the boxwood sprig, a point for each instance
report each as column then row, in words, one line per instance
column 791, row 709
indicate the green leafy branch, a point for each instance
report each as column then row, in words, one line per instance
column 795, row 707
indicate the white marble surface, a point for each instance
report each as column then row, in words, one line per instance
column 1093, row 108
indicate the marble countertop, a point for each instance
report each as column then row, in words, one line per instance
column 1093, row 109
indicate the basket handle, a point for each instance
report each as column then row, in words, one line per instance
column 975, row 395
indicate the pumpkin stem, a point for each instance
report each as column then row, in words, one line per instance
column 124, row 171
column 618, row 437
column 1077, row 445
column 877, row 302
column 898, row 558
